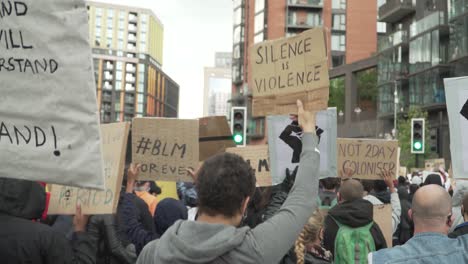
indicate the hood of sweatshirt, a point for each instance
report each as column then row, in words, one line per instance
column 23, row 199
column 353, row 214
column 194, row 242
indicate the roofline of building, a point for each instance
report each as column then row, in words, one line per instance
column 126, row 7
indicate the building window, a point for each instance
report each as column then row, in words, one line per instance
column 98, row 11
column 237, row 16
column 144, row 19
column 259, row 5
column 338, row 4
column 259, row 22
column 259, row 37
column 459, row 38
column 338, row 60
column 314, row 19
column 237, row 3
column 338, row 42
column 236, row 52
column 381, row 27
column 339, row 21
column 118, row 85
column 427, row 87
column 426, row 51
column 118, row 75
column 238, row 34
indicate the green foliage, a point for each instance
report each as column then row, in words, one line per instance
column 367, row 84
column 337, row 93
column 404, row 137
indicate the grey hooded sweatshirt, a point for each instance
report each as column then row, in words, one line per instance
column 198, row 242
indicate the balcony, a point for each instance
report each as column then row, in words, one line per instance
column 132, row 38
column 302, row 4
column 108, row 76
column 129, row 87
column 302, row 23
column 133, row 17
column 109, row 66
column 130, row 78
column 457, row 8
column 429, row 22
column 130, row 68
column 132, row 28
column 393, row 40
column 129, row 100
column 394, row 10
column 106, row 97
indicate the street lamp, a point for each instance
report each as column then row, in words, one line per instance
column 395, row 107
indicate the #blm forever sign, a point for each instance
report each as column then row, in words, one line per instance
column 49, row 127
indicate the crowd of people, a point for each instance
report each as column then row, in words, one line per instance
column 222, row 217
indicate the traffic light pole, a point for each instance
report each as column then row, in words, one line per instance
column 417, row 160
column 395, row 106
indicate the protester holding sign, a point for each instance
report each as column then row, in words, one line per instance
column 24, row 241
column 225, row 184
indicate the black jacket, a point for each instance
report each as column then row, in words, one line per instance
column 142, row 215
column 353, row 214
column 459, row 231
column 103, row 232
column 25, row 241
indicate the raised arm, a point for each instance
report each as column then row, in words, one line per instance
column 275, row 236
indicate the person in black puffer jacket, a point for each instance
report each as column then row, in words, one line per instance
column 25, row 241
column 103, row 232
column 404, row 230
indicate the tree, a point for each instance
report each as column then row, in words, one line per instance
column 404, row 136
column 337, row 93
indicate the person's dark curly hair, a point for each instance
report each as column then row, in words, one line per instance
column 223, row 183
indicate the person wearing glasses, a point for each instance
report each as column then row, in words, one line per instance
column 432, row 215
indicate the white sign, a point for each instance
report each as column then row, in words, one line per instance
column 285, row 141
column 49, row 124
column 456, row 92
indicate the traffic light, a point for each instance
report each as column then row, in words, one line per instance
column 417, row 136
column 239, row 125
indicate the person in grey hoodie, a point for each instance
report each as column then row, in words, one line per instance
column 225, row 184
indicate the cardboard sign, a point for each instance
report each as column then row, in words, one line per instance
column 288, row 69
column 383, row 218
column 63, row 199
column 367, row 158
column 257, row 157
column 403, row 171
column 285, row 141
column 432, row 164
column 49, row 125
column 215, row 136
column 456, row 92
column 165, row 148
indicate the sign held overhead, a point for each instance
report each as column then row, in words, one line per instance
column 63, row 199
column 165, row 148
column 49, row 127
column 367, row 158
column 288, row 69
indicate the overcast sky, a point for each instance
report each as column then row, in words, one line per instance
column 193, row 31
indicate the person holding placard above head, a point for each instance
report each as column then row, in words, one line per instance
column 225, row 183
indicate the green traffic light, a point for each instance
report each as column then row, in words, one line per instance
column 238, row 139
column 417, row 145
